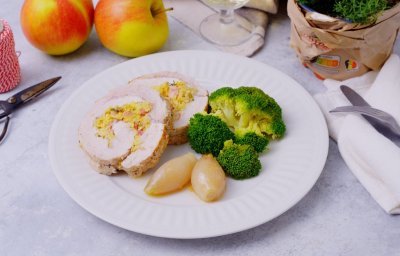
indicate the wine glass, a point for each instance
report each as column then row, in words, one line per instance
column 226, row 28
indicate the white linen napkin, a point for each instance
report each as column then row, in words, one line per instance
column 192, row 12
column 374, row 159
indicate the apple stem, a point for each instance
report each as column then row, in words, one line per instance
column 163, row 10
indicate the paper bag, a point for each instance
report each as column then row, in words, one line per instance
column 334, row 48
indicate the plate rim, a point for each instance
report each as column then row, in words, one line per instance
column 68, row 189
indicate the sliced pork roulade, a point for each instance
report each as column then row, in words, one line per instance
column 184, row 95
column 126, row 130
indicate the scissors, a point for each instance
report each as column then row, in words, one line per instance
column 19, row 99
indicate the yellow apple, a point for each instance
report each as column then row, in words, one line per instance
column 131, row 28
column 57, row 26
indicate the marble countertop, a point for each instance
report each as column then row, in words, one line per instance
column 337, row 217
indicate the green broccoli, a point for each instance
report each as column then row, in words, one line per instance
column 207, row 134
column 259, row 143
column 248, row 109
column 220, row 99
column 239, row 161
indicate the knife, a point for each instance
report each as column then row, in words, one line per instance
column 353, row 96
column 357, row 100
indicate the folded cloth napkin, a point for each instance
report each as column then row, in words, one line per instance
column 374, row 159
column 192, row 12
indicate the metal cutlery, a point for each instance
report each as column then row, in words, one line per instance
column 382, row 121
column 382, row 117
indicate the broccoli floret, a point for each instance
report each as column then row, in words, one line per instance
column 250, row 91
column 223, row 92
column 222, row 98
column 208, row 133
column 259, row 143
column 239, row 161
column 248, row 109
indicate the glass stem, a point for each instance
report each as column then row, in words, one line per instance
column 227, row 16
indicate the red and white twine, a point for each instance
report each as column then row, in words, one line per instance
column 10, row 73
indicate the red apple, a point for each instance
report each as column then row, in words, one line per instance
column 57, row 26
column 131, row 28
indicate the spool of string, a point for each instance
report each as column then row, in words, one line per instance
column 10, row 72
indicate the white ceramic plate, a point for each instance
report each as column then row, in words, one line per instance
column 290, row 167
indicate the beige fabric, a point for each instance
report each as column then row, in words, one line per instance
column 192, row 12
column 270, row 6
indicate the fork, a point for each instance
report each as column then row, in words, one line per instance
column 382, row 117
